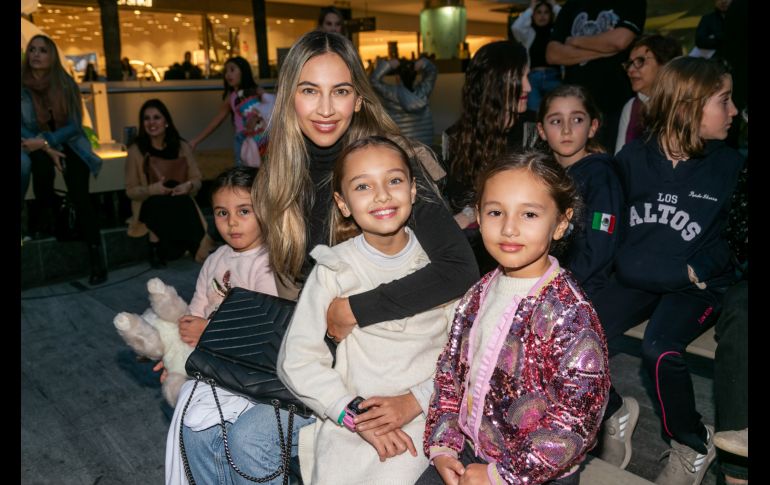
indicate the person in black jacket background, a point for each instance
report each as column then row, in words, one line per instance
column 568, row 120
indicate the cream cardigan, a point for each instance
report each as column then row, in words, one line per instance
column 386, row 359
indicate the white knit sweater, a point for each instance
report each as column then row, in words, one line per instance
column 384, row 359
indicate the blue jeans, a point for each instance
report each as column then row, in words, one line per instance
column 237, row 143
column 253, row 442
column 26, row 171
column 543, row 82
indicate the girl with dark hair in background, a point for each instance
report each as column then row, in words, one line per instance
column 248, row 105
column 533, row 29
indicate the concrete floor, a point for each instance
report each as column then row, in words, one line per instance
column 91, row 413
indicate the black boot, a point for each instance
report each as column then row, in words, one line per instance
column 98, row 271
column 156, row 256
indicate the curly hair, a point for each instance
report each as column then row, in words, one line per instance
column 493, row 85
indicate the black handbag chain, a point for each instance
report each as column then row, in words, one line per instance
column 285, row 444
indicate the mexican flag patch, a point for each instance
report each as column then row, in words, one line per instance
column 603, row 222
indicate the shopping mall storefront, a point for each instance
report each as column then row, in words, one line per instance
column 155, row 35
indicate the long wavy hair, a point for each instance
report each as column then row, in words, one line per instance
column 283, row 187
column 675, row 108
column 61, row 87
column 171, row 138
column 493, row 84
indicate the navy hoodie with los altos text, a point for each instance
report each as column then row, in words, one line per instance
column 675, row 217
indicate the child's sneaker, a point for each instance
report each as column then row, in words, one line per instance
column 735, row 442
column 686, row 466
column 617, row 431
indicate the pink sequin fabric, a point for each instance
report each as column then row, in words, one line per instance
column 547, row 393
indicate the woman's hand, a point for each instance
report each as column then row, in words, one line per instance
column 390, row 444
column 386, row 414
column 158, row 188
column 339, row 319
column 56, row 156
column 450, row 469
column 34, row 144
column 182, row 189
column 191, row 328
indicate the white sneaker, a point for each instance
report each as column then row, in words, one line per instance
column 686, row 466
column 616, row 434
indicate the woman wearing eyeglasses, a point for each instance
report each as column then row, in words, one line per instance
column 648, row 54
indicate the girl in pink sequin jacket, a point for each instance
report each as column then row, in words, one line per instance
column 527, row 398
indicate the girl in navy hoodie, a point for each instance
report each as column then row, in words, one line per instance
column 567, row 120
column 673, row 264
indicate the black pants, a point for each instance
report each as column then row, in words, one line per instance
column 731, row 372
column 675, row 320
column 176, row 222
column 431, row 476
column 77, row 177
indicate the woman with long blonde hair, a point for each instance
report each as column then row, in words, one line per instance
column 323, row 103
column 52, row 138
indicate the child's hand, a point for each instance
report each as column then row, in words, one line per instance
column 159, row 367
column 475, row 474
column 386, row 414
column 191, row 328
column 340, row 319
column 450, row 469
column 390, row 444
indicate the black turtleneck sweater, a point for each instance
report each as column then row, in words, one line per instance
column 452, row 269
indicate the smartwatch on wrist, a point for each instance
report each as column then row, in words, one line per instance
column 351, row 411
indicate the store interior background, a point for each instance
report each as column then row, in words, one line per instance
column 159, row 35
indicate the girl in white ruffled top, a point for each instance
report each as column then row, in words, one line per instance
column 391, row 364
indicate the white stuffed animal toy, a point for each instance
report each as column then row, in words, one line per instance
column 155, row 334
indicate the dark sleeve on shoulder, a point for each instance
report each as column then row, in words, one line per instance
column 451, row 271
column 594, row 251
column 633, row 14
column 562, row 28
column 708, row 34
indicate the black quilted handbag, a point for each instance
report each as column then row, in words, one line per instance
column 238, row 352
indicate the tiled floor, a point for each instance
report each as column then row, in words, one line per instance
column 91, row 413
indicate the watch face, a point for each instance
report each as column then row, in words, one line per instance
column 354, row 406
